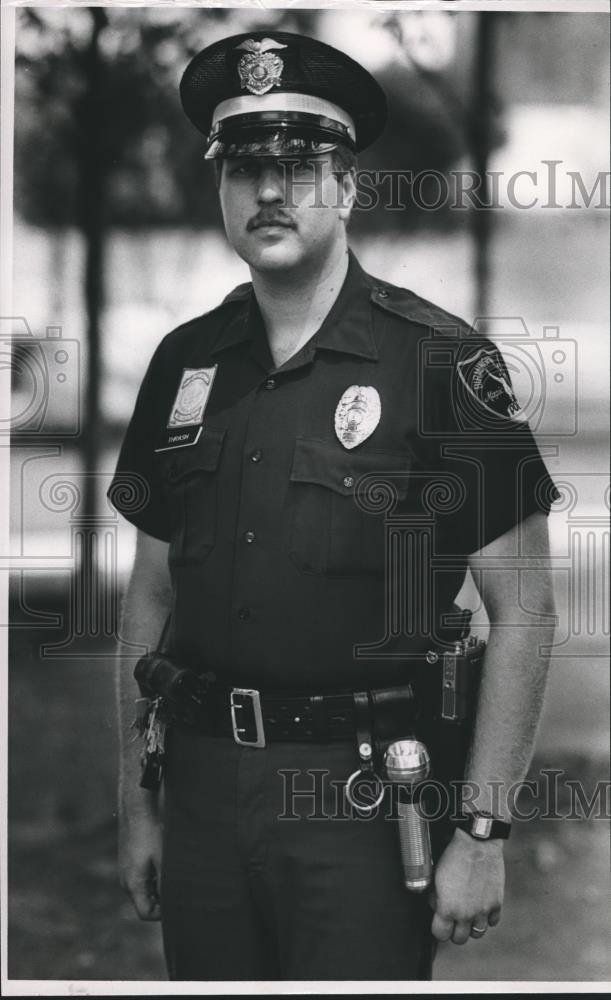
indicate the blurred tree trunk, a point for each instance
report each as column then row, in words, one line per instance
column 93, row 166
column 481, row 141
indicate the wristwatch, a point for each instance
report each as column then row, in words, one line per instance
column 483, row 826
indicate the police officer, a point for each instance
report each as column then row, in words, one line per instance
column 272, row 440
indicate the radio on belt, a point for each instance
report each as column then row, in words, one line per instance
column 460, row 678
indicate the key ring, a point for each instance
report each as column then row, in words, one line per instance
column 371, row 775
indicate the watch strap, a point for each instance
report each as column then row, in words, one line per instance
column 483, row 826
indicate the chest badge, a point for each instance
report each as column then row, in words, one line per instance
column 357, row 415
column 192, row 397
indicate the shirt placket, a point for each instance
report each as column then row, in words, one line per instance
column 266, row 459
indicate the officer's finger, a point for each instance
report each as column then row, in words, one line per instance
column 494, row 916
column 146, row 907
column 152, row 914
column 144, row 897
column 479, row 926
column 442, row 927
column 462, row 931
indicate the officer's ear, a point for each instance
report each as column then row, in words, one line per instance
column 344, row 167
column 217, row 166
column 346, row 180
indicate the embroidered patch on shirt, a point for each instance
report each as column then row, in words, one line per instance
column 192, row 397
column 486, row 378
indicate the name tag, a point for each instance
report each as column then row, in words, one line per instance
column 181, row 439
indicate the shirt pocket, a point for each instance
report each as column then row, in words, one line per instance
column 190, row 483
column 337, row 502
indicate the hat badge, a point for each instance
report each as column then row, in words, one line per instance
column 260, row 68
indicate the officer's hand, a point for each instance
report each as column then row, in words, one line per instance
column 140, row 863
column 469, row 887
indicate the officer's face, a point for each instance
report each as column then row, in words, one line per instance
column 284, row 214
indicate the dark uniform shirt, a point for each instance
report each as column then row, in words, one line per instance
column 297, row 562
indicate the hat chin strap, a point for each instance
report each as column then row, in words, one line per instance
column 280, row 102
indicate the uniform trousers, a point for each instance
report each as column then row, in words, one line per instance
column 268, row 875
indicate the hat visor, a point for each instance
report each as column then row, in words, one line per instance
column 271, row 140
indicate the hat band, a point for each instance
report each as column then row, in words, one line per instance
column 288, row 119
column 280, row 103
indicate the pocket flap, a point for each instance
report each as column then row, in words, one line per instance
column 201, row 457
column 340, row 470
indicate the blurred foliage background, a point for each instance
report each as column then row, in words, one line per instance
column 117, row 240
column 107, row 81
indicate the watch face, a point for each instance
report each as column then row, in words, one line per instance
column 482, row 825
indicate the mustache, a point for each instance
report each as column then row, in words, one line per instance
column 270, row 217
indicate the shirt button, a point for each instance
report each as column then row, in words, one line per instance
column 249, row 536
column 382, row 292
column 348, row 481
column 244, row 614
column 270, row 383
column 256, row 455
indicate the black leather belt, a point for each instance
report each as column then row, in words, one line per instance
column 256, row 718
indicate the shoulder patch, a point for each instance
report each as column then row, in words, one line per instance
column 483, row 373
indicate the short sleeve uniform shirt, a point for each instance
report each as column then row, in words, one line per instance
column 298, row 562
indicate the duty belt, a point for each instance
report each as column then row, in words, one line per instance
column 255, row 718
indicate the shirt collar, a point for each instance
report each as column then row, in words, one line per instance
column 347, row 326
column 237, row 329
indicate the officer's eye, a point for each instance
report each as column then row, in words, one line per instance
column 299, row 168
column 242, row 168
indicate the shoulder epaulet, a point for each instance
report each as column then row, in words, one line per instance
column 402, row 302
column 238, row 294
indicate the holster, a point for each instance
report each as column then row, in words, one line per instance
column 182, row 690
column 422, row 706
column 437, row 706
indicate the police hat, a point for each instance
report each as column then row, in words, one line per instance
column 274, row 93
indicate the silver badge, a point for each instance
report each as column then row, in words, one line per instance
column 260, row 69
column 192, row 396
column 357, row 415
column 486, row 377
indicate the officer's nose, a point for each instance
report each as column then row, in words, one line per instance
column 270, row 189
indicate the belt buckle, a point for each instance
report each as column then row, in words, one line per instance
column 255, row 701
